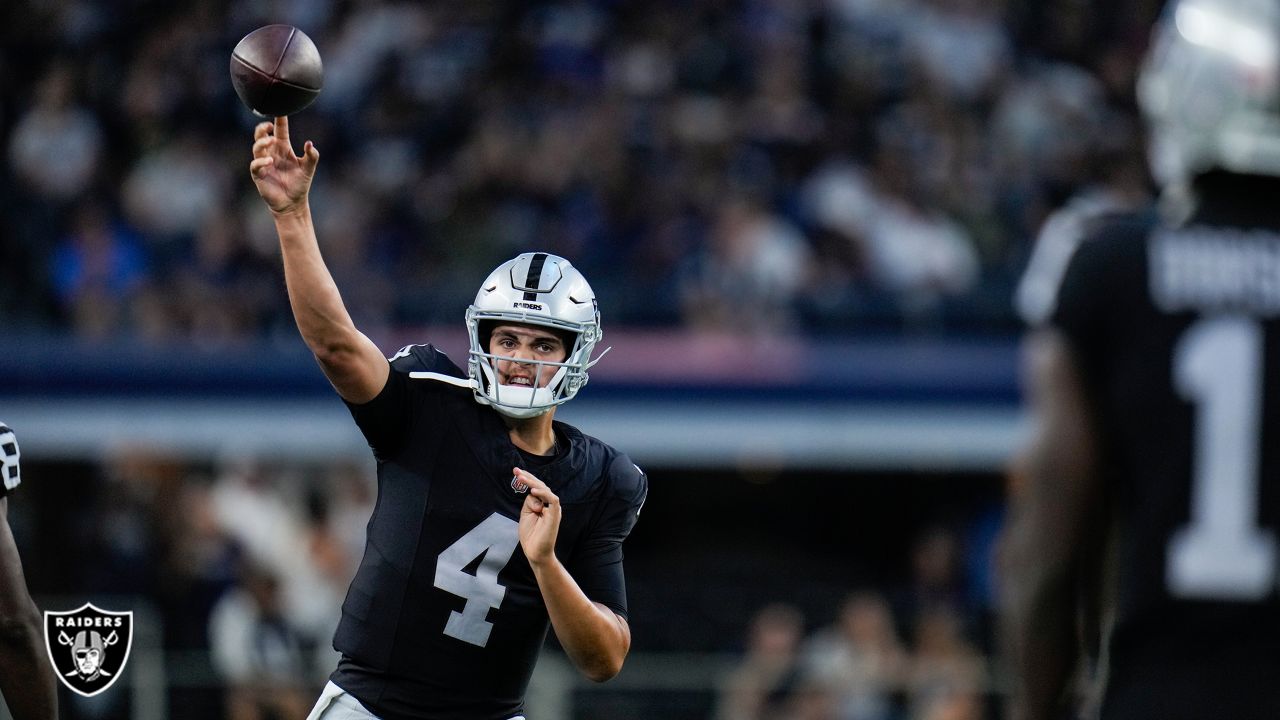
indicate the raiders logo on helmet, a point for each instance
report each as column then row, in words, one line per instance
column 88, row 646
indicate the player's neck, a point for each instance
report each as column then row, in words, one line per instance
column 533, row 435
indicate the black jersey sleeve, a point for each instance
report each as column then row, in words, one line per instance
column 384, row 420
column 1093, row 287
column 10, row 473
column 597, row 567
column 1080, row 301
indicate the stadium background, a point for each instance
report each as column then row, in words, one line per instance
column 805, row 220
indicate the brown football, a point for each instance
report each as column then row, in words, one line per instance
column 276, row 70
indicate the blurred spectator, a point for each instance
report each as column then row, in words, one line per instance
column 947, row 673
column 749, row 276
column 937, row 581
column 915, row 249
column 860, row 659
column 96, row 270
column 813, row 701
column 332, row 562
column 888, row 229
column 265, row 512
column 172, row 191
column 227, row 293
column 762, row 685
column 344, row 222
column 249, row 505
column 351, row 490
column 961, row 47
column 963, row 705
column 56, row 145
column 256, row 651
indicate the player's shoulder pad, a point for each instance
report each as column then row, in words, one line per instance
column 1121, row 227
column 1058, row 247
column 423, row 359
column 1118, row 239
column 627, row 480
column 10, row 456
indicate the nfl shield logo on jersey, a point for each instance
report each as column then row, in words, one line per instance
column 88, row 646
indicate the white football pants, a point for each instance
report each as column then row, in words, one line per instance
column 337, row 704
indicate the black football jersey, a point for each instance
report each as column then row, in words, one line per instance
column 444, row 619
column 1175, row 331
column 10, row 468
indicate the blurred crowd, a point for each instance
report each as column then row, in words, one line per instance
column 241, row 565
column 745, row 165
column 920, row 651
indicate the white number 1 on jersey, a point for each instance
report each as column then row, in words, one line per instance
column 495, row 539
column 1222, row 553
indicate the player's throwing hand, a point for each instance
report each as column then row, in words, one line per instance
column 283, row 178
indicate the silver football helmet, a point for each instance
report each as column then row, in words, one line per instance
column 537, row 289
column 1210, row 89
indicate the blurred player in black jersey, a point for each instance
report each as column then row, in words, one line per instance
column 1149, row 495
column 492, row 519
column 26, row 674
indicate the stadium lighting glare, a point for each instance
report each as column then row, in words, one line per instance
column 1212, row 29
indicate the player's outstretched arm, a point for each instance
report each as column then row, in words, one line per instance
column 595, row 638
column 1056, row 527
column 349, row 359
column 26, row 677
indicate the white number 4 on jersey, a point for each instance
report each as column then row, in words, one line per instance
column 495, row 539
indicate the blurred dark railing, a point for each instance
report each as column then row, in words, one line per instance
column 641, row 363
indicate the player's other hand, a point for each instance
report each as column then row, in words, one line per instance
column 539, row 520
column 283, row 178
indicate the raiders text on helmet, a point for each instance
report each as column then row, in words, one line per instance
column 537, row 289
column 1210, row 88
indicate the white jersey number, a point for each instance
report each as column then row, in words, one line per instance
column 491, row 542
column 1222, row 554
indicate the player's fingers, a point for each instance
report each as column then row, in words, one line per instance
column 261, row 145
column 310, row 158
column 259, row 166
column 282, row 130
column 261, row 129
column 544, row 494
column 533, row 504
column 530, row 479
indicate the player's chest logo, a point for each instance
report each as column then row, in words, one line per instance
column 88, row 646
column 520, row 487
